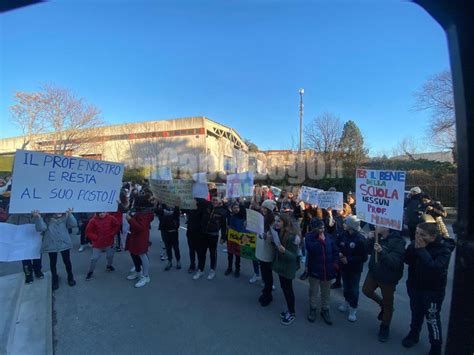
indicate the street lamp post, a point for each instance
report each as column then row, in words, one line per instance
column 301, row 91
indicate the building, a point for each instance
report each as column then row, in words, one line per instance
column 187, row 144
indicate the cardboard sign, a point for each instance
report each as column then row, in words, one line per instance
column 330, row 199
column 241, row 243
column 239, row 185
column 380, row 197
column 19, row 242
column 174, row 193
column 162, row 173
column 200, row 190
column 53, row 183
column 255, row 221
column 200, row 178
column 309, row 195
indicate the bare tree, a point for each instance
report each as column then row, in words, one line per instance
column 68, row 121
column 323, row 135
column 407, row 147
column 436, row 96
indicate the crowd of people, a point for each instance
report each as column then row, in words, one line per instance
column 328, row 248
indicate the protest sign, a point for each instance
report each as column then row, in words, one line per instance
column 380, row 197
column 19, row 242
column 174, row 193
column 255, row 221
column 200, row 177
column 53, row 183
column 309, row 194
column 162, row 173
column 330, row 199
column 200, row 190
column 241, row 243
column 239, row 185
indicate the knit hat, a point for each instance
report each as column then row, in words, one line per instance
column 269, row 205
column 415, row 190
column 353, row 222
column 316, row 223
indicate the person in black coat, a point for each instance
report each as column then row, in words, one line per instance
column 428, row 259
column 169, row 228
column 193, row 232
column 413, row 210
column 353, row 255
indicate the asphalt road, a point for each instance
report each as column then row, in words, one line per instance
column 177, row 315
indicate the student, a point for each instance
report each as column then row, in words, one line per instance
column 322, row 260
column 82, row 220
column 56, row 239
column 413, row 210
column 101, row 230
column 265, row 252
column 235, row 221
column 213, row 221
column 428, row 261
column 169, row 228
column 352, row 255
column 338, row 229
column 138, row 239
column 193, row 232
column 384, row 273
column 286, row 262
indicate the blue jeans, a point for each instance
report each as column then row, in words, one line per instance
column 350, row 283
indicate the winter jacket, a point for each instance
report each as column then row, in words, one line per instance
column 169, row 218
column 285, row 264
column 20, row 218
column 213, row 220
column 321, row 256
column 193, row 222
column 413, row 209
column 389, row 267
column 101, row 231
column 428, row 267
column 354, row 248
column 56, row 237
column 139, row 234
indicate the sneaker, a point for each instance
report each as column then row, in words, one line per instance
column 70, row 281
column 178, row 265
column 312, row 315
column 133, row 269
column 343, row 307
column 55, row 282
column 237, row 274
column 109, row 268
column 284, row 314
column 89, row 276
column 335, row 285
column 255, row 278
column 384, row 332
column 352, row 317
column 228, row 271
column 410, row 340
column 191, row 269
column 81, row 248
column 143, row 281
column 164, row 257
column 28, row 278
column 264, row 302
column 39, row 275
column 118, row 249
column 304, row 276
column 303, row 259
column 326, row 316
column 197, row 275
column 169, row 265
column 290, row 318
column 134, row 276
column 211, row 275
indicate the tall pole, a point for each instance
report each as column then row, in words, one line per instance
column 301, row 91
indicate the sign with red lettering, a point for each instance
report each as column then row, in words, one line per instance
column 380, row 197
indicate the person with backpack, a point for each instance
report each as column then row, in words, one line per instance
column 169, row 228
column 353, row 255
column 428, row 259
column 385, row 271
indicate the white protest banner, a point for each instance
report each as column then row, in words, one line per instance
column 19, row 242
column 162, row 173
column 53, row 183
column 309, row 194
column 330, row 199
column 200, row 190
column 200, row 177
column 174, row 193
column 239, row 185
column 255, row 221
column 380, row 197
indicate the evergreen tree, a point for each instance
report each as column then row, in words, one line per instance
column 351, row 145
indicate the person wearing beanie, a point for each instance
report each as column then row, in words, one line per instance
column 428, row 259
column 265, row 252
column 385, row 271
column 101, row 230
column 352, row 255
column 322, row 263
column 413, row 210
column 138, row 238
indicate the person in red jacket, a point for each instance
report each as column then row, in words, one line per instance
column 101, row 230
column 138, row 238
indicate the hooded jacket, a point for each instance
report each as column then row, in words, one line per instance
column 428, row 267
column 56, row 237
column 139, row 235
column 101, row 231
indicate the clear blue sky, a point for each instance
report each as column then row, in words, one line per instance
column 240, row 63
